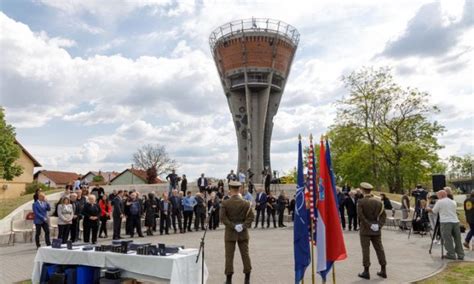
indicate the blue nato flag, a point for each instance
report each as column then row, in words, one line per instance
column 301, row 225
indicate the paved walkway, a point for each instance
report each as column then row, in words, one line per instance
column 272, row 257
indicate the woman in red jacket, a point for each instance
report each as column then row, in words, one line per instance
column 105, row 213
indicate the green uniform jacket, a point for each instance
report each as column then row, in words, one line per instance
column 370, row 211
column 236, row 210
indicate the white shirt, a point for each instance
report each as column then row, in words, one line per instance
column 77, row 184
column 242, row 177
column 446, row 208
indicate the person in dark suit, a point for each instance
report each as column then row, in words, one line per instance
column 165, row 213
column 176, row 210
column 282, row 203
column 91, row 213
column 184, row 184
column 350, row 204
column 260, row 206
column 151, row 210
column 271, row 209
column 80, row 203
column 135, row 210
column 202, row 183
column 199, row 211
column 341, row 197
column 40, row 209
column 371, row 214
column 213, row 205
column 74, row 223
column 237, row 216
column 117, row 214
column 291, row 208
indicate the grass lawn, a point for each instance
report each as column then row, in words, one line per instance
column 7, row 205
column 455, row 272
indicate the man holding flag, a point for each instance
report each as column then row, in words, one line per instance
column 329, row 239
column 301, row 224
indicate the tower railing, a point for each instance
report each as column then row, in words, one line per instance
column 254, row 25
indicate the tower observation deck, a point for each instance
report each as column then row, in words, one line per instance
column 253, row 58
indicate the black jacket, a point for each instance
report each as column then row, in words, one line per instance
column 351, row 206
column 89, row 211
column 118, row 209
column 175, row 204
column 282, row 203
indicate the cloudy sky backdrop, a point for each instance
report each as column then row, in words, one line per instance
column 86, row 82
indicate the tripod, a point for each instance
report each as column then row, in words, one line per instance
column 436, row 231
column 201, row 247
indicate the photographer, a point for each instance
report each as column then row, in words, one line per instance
column 449, row 225
column 420, row 194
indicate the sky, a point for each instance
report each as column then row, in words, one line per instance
column 85, row 83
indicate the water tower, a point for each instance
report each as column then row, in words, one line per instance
column 254, row 57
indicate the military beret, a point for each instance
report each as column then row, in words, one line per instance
column 235, row 184
column 366, row 186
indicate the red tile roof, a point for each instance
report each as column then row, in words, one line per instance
column 59, row 177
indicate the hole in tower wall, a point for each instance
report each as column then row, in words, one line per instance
column 245, row 120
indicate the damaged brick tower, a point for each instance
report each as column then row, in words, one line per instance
column 254, row 57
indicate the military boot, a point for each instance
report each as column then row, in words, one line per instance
column 365, row 274
column 383, row 272
column 247, row 278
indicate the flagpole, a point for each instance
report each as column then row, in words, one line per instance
column 334, row 273
column 313, row 277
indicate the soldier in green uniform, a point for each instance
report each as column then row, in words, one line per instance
column 237, row 216
column 372, row 216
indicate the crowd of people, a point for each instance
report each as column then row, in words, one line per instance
column 177, row 210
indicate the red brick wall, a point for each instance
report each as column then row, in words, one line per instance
column 258, row 53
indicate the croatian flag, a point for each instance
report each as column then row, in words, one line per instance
column 329, row 239
column 301, row 224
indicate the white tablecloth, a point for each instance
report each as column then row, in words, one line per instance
column 178, row 268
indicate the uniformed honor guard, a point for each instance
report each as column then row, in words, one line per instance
column 372, row 216
column 237, row 216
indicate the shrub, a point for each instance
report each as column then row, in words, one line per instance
column 98, row 179
column 31, row 187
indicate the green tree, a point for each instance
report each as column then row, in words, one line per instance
column 9, row 150
column 382, row 133
column 460, row 167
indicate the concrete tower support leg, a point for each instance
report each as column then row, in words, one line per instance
column 258, row 102
column 273, row 103
column 238, row 108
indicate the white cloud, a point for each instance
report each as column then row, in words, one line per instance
column 116, row 88
column 177, row 100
